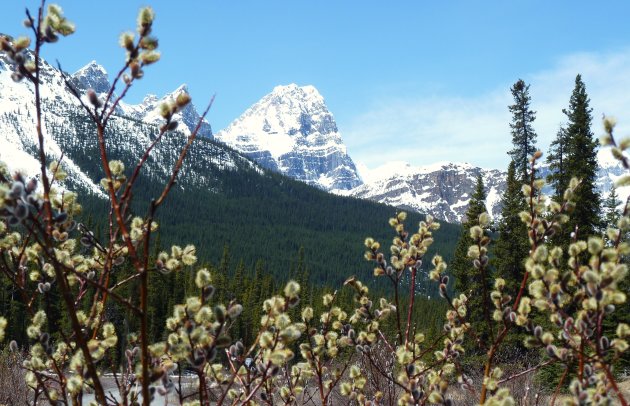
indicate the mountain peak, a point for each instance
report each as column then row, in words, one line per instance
column 296, row 93
column 291, row 130
column 148, row 111
column 94, row 66
column 92, row 76
column 183, row 88
column 291, row 87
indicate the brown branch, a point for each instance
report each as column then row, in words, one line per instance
column 506, row 328
column 105, row 118
column 412, row 296
column 336, row 381
column 613, row 383
column 134, row 176
column 557, row 390
column 61, row 279
column 486, row 300
column 527, row 371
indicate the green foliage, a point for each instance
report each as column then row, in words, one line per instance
column 523, row 134
column 557, row 159
column 611, row 217
column 474, row 282
column 574, row 155
column 611, row 207
column 582, row 162
column 305, row 345
column 512, row 246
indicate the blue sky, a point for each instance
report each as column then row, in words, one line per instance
column 420, row 81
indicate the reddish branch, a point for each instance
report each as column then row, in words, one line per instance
column 412, row 296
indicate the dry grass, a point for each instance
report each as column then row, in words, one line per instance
column 13, row 389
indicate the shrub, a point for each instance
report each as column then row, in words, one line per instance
column 322, row 358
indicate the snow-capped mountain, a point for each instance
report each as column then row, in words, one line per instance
column 66, row 129
column 147, row 111
column 94, row 76
column 442, row 189
column 291, row 131
column 17, row 128
column 609, row 171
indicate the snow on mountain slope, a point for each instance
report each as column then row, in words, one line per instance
column 67, row 130
column 94, row 76
column 609, row 171
column 147, row 111
column 291, row 131
column 18, row 132
column 442, row 189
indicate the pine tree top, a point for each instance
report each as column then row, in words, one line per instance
column 477, row 204
column 523, row 134
column 579, row 111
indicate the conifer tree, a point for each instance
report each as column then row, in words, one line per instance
column 512, row 246
column 523, row 134
column 582, row 161
column 461, row 265
column 222, row 273
column 557, row 158
column 469, row 280
column 252, row 301
column 235, row 286
column 611, row 211
column 511, row 249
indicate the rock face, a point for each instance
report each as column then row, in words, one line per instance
column 291, row 131
column 442, row 190
column 147, row 111
column 94, row 76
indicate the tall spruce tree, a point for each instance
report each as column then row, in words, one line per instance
column 611, row 209
column 557, row 158
column 512, row 246
column 511, row 250
column 574, row 154
column 468, row 279
column 523, row 134
column 582, row 161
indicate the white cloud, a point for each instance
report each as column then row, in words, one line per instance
column 476, row 129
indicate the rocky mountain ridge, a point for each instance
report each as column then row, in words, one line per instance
column 441, row 189
column 444, row 189
column 66, row 129
column 291, row 131
column 94, row 76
